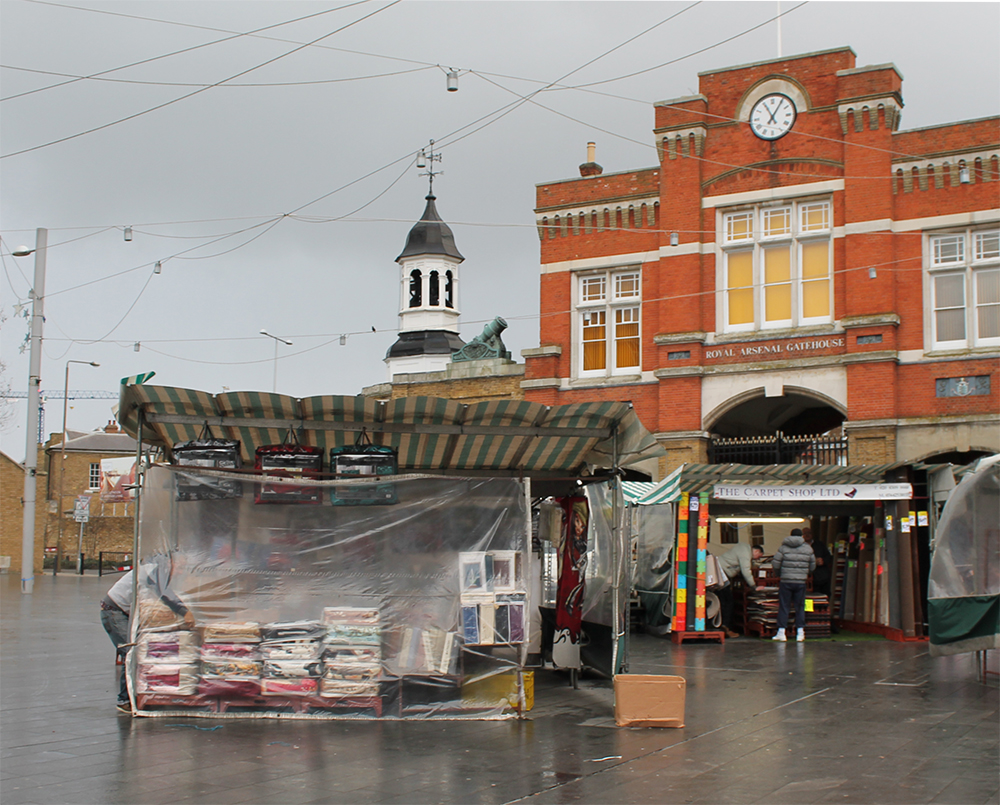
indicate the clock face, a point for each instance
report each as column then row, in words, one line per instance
column 772, row 117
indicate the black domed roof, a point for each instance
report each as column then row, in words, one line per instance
column 430, row 235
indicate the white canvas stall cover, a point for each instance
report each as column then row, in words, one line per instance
column 413, row 610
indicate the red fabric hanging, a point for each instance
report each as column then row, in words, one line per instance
column 572, row 566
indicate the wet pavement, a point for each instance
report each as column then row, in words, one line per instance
column 865, row 721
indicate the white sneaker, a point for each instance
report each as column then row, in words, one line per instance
column 780, row 636
column 800, row 635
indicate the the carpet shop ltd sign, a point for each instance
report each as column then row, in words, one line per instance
column 833, row 492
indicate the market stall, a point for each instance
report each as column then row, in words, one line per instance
column 366, row 587
column 965, row 571
column 878, row 522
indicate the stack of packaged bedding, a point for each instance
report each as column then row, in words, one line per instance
column 230, row 660
column 352, row 652
column 291, row 655
column 168, row 662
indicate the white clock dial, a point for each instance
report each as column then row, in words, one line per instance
column 772, row 117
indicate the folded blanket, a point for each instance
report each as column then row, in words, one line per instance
column 231, row 667
column 338, row 653
column 292, row 630
column 167, row 652
column 229, row 687
column 226, row 651
column 332, row 688
column 220, row 632
column 351, row 634
column 292, row 669
column 168, row 678
column 291, row 649
column 355, row 615
column 289, row 687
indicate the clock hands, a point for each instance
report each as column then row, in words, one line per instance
column 771, row 114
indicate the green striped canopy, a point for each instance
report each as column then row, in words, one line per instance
column 430, row 434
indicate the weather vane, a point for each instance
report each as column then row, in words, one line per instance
column 426, row 159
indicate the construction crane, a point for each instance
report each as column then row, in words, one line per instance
column 57, row 395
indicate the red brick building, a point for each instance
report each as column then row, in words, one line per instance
column 796, row 274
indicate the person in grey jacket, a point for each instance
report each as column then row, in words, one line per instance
column 794, row 560
column 735, row 562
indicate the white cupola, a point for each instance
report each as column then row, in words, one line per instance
column 428, row 298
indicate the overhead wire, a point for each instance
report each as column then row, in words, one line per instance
column 235, row 35
column 213, row 29
column 244, row 84
column 202, row 89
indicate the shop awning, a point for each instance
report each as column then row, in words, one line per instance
column 696, row 478
column 431, row 434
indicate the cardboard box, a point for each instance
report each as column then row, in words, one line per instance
column 500, row 689
column 645, row 700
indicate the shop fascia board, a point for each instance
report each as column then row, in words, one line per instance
column 376, row 427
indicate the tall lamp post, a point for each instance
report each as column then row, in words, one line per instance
column 276, row 340
column 62, row 475
column 34, row 384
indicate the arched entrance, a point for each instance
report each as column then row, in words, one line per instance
column 797, row 427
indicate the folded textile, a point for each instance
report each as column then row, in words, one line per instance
column 225, row 651
column 355, row 615
column 351, row 672
column 167, row 652
column 333, row 688
column 231, row 687
column 297, row 649
column 305, row 686
column 168, row 678
column 339, row 653
column 292, row 630
column 230, row 667
column 352, row 634
column 220, row 632
column 292, row 669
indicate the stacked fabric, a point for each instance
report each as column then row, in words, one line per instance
column 291, row 655
column 352, row 652
column 230, row 660
column 168, row 663
column 172, row 678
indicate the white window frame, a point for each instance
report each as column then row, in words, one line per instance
column 90, row 476
column 796, row 235
column 610, row 303
column 973, row 258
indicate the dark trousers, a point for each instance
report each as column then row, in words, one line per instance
column 725, row 595
column 115, row 623
column 791, row 593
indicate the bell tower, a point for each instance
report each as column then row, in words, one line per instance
column 428, row 297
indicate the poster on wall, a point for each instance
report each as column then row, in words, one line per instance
column 117, row 478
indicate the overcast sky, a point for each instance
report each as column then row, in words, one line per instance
column 275, row 182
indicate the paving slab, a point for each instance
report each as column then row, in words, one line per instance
column 870, row 721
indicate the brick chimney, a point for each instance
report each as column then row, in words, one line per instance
column 112, row 427
column 591, row 168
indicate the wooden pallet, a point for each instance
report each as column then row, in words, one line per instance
column 680, row 637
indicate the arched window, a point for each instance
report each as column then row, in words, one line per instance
column 449, row 289
column 434, row 290
column 416, row 292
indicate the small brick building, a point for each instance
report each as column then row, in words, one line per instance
column 797, row 274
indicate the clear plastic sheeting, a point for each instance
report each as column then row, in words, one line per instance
column 418, row 609
column 654, row 528
column 964, row 584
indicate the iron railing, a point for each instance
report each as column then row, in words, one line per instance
column 778, row 449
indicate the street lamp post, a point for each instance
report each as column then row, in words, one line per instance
column 62, row 476
column 34, row 386
column 276, row 340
